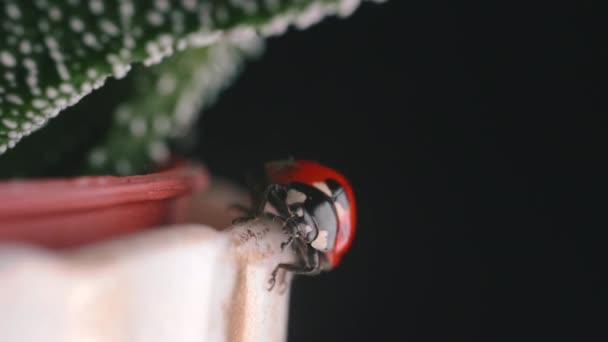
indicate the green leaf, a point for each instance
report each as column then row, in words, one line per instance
column 164, row 102
column 53, row 53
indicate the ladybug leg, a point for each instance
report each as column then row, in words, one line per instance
column 309, row 265
column 274, row 195
column 290, row 226
column 296, row 268
column 287, row 243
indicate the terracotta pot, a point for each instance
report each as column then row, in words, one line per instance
column 60, row 213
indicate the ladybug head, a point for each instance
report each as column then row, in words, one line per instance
column 327, row 200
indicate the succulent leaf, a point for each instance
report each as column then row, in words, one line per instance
column 53, row 53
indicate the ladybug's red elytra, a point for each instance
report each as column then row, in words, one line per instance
column 317, row 206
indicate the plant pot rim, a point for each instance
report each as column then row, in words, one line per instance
column 24, row 197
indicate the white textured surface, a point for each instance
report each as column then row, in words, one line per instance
column 187, row 283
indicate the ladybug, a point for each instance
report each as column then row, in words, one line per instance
column 317, row 206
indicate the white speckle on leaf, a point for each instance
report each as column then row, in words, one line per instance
column 99, row 82
column 96, row 6
column 9, row 76
column 7, row 59
column 166, row 84
column 76, row 24
column 138, row 127
column 41, row 4
column 51, row 93
column 13, row 11
column 39, row 120
column 26, row 126
column 66, row 88
column 55, row 14
column 61, row 102
column 272, row 4
column 347, row 7
column 109, row 27
column 221, row 13
column 120, row 70
column 181, row 45
column 51, row 112
column 125, row 54
column 162, row 124
column 86, row 87
column 311, row 16
column 32, row 81
column 9, row 123
column 126, row 9
column 92, row 73
column 154, row 54
column 90, row 40
column 154, row 18
column 14, row 135
column 39, row 103
column 204, row 15
column 25, row 47
column 44, row 26
column 18, row 30
column 277, row 26
column 158, row 151
column 129, row 42
column 72, row 100
column 123, row 167
column 14, row 99
column 123, row 115
column 97, row 157
column 249, row 7
column 63, row 72
column 161, row 5
column 177, row 19
column 58, row 57
column 189, row 5
column 203, row 39
column 137, row 32
column 159, row 50
column 166, row 41
column 243, row 36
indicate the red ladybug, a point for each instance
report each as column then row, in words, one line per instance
column 317, row 206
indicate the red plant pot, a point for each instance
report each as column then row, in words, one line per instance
column 60, row 213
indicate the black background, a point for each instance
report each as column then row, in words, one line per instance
column 474, row 135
